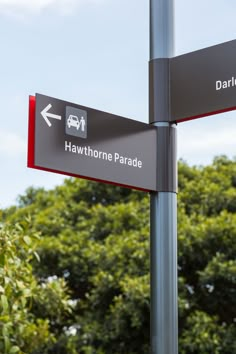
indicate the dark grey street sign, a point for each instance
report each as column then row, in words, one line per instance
column 203, row 82
column 80, row 141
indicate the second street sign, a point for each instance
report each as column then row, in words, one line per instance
column 80, row 141
column 203, row 82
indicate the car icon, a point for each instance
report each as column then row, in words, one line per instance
column 73, row 121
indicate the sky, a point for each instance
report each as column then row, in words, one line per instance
column 95, row 53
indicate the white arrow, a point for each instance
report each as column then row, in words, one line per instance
column 47, row 115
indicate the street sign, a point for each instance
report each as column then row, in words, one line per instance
column 83, row 142
column 203, row 82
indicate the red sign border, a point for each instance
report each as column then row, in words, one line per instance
column 203, row 115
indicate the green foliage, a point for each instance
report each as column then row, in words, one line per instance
column 207, row 248
column 18, row 330
column 205, row 333
column 21, row 331
column 208, row 190
column 92, row 281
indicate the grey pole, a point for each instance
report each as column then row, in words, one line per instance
column 161, row 29
column 163, row 218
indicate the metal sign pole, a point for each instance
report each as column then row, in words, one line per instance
column 164, row 313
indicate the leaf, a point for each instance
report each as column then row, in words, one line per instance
column 27, row 240
column 4, row 303
column 20, row 284
column 14, row 349
column 7, row 343
column 1, row 289
column 26, row 292
column 37, row 256
column 18, row 227
column 2, row 260
column 5, row 331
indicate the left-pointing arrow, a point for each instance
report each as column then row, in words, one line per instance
column 47, row 115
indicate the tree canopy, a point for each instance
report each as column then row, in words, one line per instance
column 85, row 280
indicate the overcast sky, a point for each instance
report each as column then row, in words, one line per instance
column 95, row 53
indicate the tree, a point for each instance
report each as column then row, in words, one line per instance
column 96, row 238
column 20, row 293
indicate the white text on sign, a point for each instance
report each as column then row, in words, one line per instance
column 102, row 155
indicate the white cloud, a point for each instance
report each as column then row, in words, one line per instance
column 11, row 144
column 25, row 7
